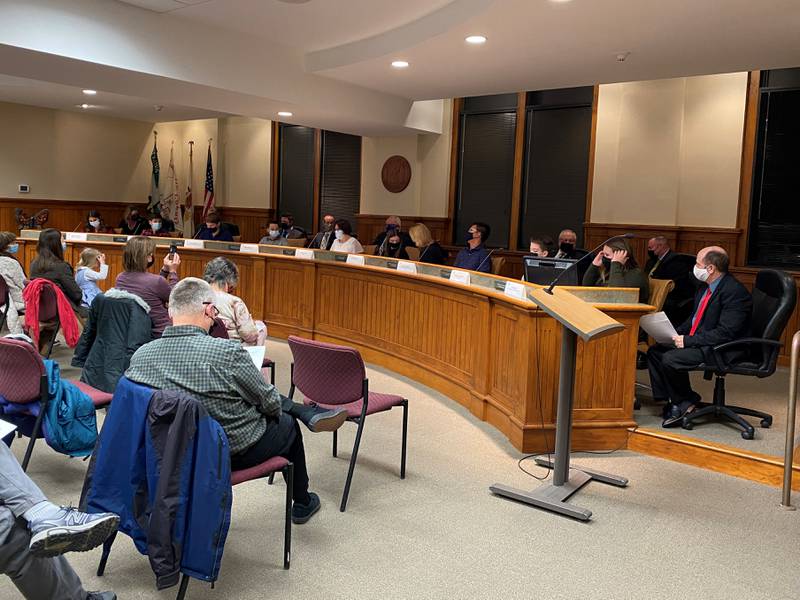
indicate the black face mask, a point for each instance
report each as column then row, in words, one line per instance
column 394, row 247
column 284, row 225
column 606, row 263
column 392, row 228
column 326, row 227
column 150, row 262
column 566, row 247
column 651, row 254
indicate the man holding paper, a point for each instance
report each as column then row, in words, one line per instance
column 722, row 308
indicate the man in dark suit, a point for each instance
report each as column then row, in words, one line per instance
column 663, row 263
column 324, row 238
column 722, row 308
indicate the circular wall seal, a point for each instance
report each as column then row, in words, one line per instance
column 396, row 174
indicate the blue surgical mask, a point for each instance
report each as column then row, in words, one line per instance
column 339, row 234
column 155, row 225
column 273, row 233
column 12, row 248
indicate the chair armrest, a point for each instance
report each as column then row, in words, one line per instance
column 717, row 350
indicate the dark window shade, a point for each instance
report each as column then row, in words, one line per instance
column 556, row 172
column 486, row 174
column 340, row 192
column 494, row 103
column 561, row 97
column 296, row 174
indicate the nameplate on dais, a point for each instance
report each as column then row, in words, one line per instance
column 514, row 289
column 406, row 267
column 76, row 236
column 304, row 253
column 355, row 259
column 196, row 244
column 459, row 276
column 251, row 248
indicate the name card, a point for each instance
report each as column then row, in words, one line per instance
column 196, row 244
column 515, row 289
column 75, row 236
column 252, row 248
column 304, row 253
column 120, row 239
column 355, row 259
column 460, row 276
column 407, row 267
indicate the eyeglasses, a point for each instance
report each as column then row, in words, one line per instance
column 211, row 304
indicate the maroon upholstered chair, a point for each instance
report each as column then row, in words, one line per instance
column 332, row 376
column 23, row 380
column 100, row 399
column 5, row 301
column 49, row 322
column 219, row 330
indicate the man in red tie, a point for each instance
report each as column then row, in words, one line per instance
column 722, row 308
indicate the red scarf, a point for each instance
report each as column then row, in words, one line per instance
column 69, row 322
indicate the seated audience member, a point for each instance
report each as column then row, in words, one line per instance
column 155, row 227
column 567, row 241
column 615, row 266
column 14, row 275
column 35, row 533
column 475, row 257
column 429, row 250
column 211, row 230
column 721, row 314
column 132, row 222
column 288, row 229
column 222, row 275
column 324, row 238
column 91, row 268
column 95, row 224
column 137, row 258
column 344, row 241
column 393, row 246
column 49, row 264
column 541, row 246
column 258, row 421
column 393, row 223
column 273, row 236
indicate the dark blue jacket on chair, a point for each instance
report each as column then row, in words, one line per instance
column 163, row 465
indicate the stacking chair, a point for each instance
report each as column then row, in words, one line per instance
column 659, row 290
column 5, row 302
column 331, row 377
column 297, row 243
column 413, row 253
column 49, row 322
column 774, row 299
column 218, row 330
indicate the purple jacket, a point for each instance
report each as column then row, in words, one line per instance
column 154, row 290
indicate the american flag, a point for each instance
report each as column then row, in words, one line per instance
column 208, row 199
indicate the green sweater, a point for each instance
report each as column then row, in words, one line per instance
column 619, row 277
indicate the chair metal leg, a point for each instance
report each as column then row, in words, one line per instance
column 765, row 417
column 405, row 437
column 352, row 464
column 182, row 590
column 101, row 568
column 288, row 474
column 335, row 444
column 53, row 340
column 272, row 374
column 37, row 428
column 271, row 479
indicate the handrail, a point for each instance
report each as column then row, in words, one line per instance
column 791, row 415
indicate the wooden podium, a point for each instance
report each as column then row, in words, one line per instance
column 577, row 318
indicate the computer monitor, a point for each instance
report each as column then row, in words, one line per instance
column 542, row 270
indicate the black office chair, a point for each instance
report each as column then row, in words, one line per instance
column 774, row 299
column 5, row 302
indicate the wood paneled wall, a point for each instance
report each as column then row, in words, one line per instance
column 495, row 355
column 369, row 226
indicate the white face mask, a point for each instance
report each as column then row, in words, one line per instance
column 155, row 226
column 339, row 234
column 95, row 224
column 273, row 233
column 701, row 274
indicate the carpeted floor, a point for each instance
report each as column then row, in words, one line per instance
column 675, row 532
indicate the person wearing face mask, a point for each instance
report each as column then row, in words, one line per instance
column 49, row 264
column 132, row 222
column 475, row 257
column 393, row 246
column 14, row 275
column 615, row 266
column 273, row 237
column 324, row 239
column 344, row 241
column 258, row 421
column 211, row 230
column 663, row 263
column 721, row 313
column 567, row 245
column 156, row 227
column 393, row 225
column 541, row 246
column 137, row 258
column 288, row 229
column 94, row 223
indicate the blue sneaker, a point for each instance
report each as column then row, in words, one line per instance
column 70, row 531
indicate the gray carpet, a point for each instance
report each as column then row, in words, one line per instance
column 675, row 532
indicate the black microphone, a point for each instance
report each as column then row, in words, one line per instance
column 553, row 283
column 485, row 258
column 76, row 227
column 314, row 239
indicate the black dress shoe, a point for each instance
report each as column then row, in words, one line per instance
column 677, row 412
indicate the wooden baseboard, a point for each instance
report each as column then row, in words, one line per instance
column 729, row 460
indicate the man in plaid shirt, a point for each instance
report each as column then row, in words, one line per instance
column 259, row 422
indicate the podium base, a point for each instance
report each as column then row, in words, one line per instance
column 553, row 497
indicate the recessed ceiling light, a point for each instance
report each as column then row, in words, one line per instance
column 476, row 39
column 400, row 64
column 90, row 92
column 84, row 106
column 284, row 113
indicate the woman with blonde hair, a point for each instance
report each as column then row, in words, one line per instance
column 90, row 269
column 137, row 258
column 615, row 266
column 429, row 250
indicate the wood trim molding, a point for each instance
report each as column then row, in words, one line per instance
column 519, row 157
column 592, row 144
column 275, row 166
column 455, row 139
column 749, row 136
column 317, row 178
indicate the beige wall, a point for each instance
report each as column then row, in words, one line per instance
column 668, row 152
column 429, row 156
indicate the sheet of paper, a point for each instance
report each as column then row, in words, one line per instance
column 304, row 253
column 659, row 327
column 6, row 428
column 76, row 236
column 355, row 259
column 406, row 267
column 196, row 244
column 459, row 276
column 252, row 248
column 256, row 354
column 515, row 290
